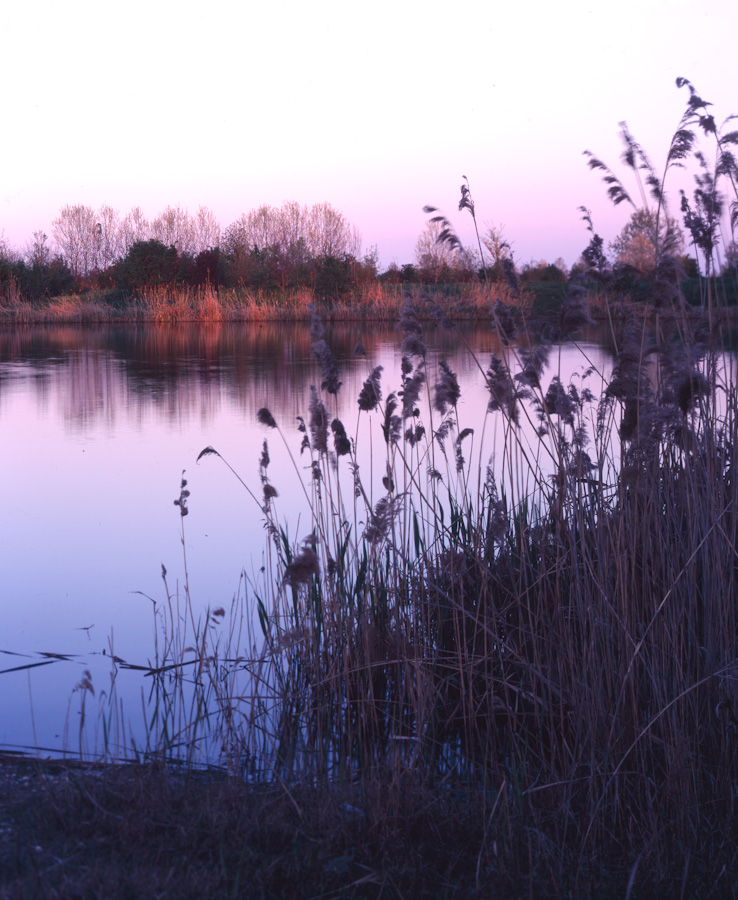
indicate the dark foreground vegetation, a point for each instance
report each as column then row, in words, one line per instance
column 67, row 832
column 502, row 660
column 132, row 832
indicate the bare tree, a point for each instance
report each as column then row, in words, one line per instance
column 499, row 249
column 109, row 244
column 437, row 257
column 263, row 226
column 135, row 227
column 561, row 265
column 38, row 251
column 291, row 224
column 257, row 228
column 76, row 238
column 6, row 251
column 297, row 238
column 235, row 236
column 175, row 227
column 207, row 230
column 328, row 233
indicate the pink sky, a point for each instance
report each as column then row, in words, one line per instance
column 376, row 109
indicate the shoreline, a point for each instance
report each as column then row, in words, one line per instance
column 208, row 309
column 146, row 830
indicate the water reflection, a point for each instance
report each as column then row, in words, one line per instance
column 184, row 370
column 97, row 425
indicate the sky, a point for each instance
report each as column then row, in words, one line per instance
column 377, row 109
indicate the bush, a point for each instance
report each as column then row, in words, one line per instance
column 147, row 264
column 37, row 281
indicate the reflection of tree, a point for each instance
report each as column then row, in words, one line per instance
column 181, row 373
column 102, row 376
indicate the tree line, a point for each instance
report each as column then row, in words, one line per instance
column 282, row 248
column 270, row 248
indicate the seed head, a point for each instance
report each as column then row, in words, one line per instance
column 265, row 418
column 340, row 440
column 371, row 392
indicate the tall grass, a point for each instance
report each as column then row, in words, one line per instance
column 186, row 304
column 554, row 634
column 551, row 632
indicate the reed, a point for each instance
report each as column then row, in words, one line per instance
column 554, row 636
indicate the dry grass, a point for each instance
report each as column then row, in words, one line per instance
column 554, row 647
column 375, row 302
column 77, row 309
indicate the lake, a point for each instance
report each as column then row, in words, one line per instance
column 97, row 425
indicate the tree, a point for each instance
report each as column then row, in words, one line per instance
column 203, row 270
column 543, row 271
column 135, row 227
column 282, row 246
column 560, row 264
column 76, row 237
column 147, row 264
column 333, row 276
column 328, row 233
column 259, row 228
column 320, row 229
column 175, row 227
column 88, row 240
column 498, row 247
column 368, row 267
column 38, row 253
column 6, row 254
column 207, row 230
column 108, row 243
column 439, row 260
column 640, row 245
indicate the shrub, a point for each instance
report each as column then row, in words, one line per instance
column 147, row 264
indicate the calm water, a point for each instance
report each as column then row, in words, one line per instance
column 96, row 427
